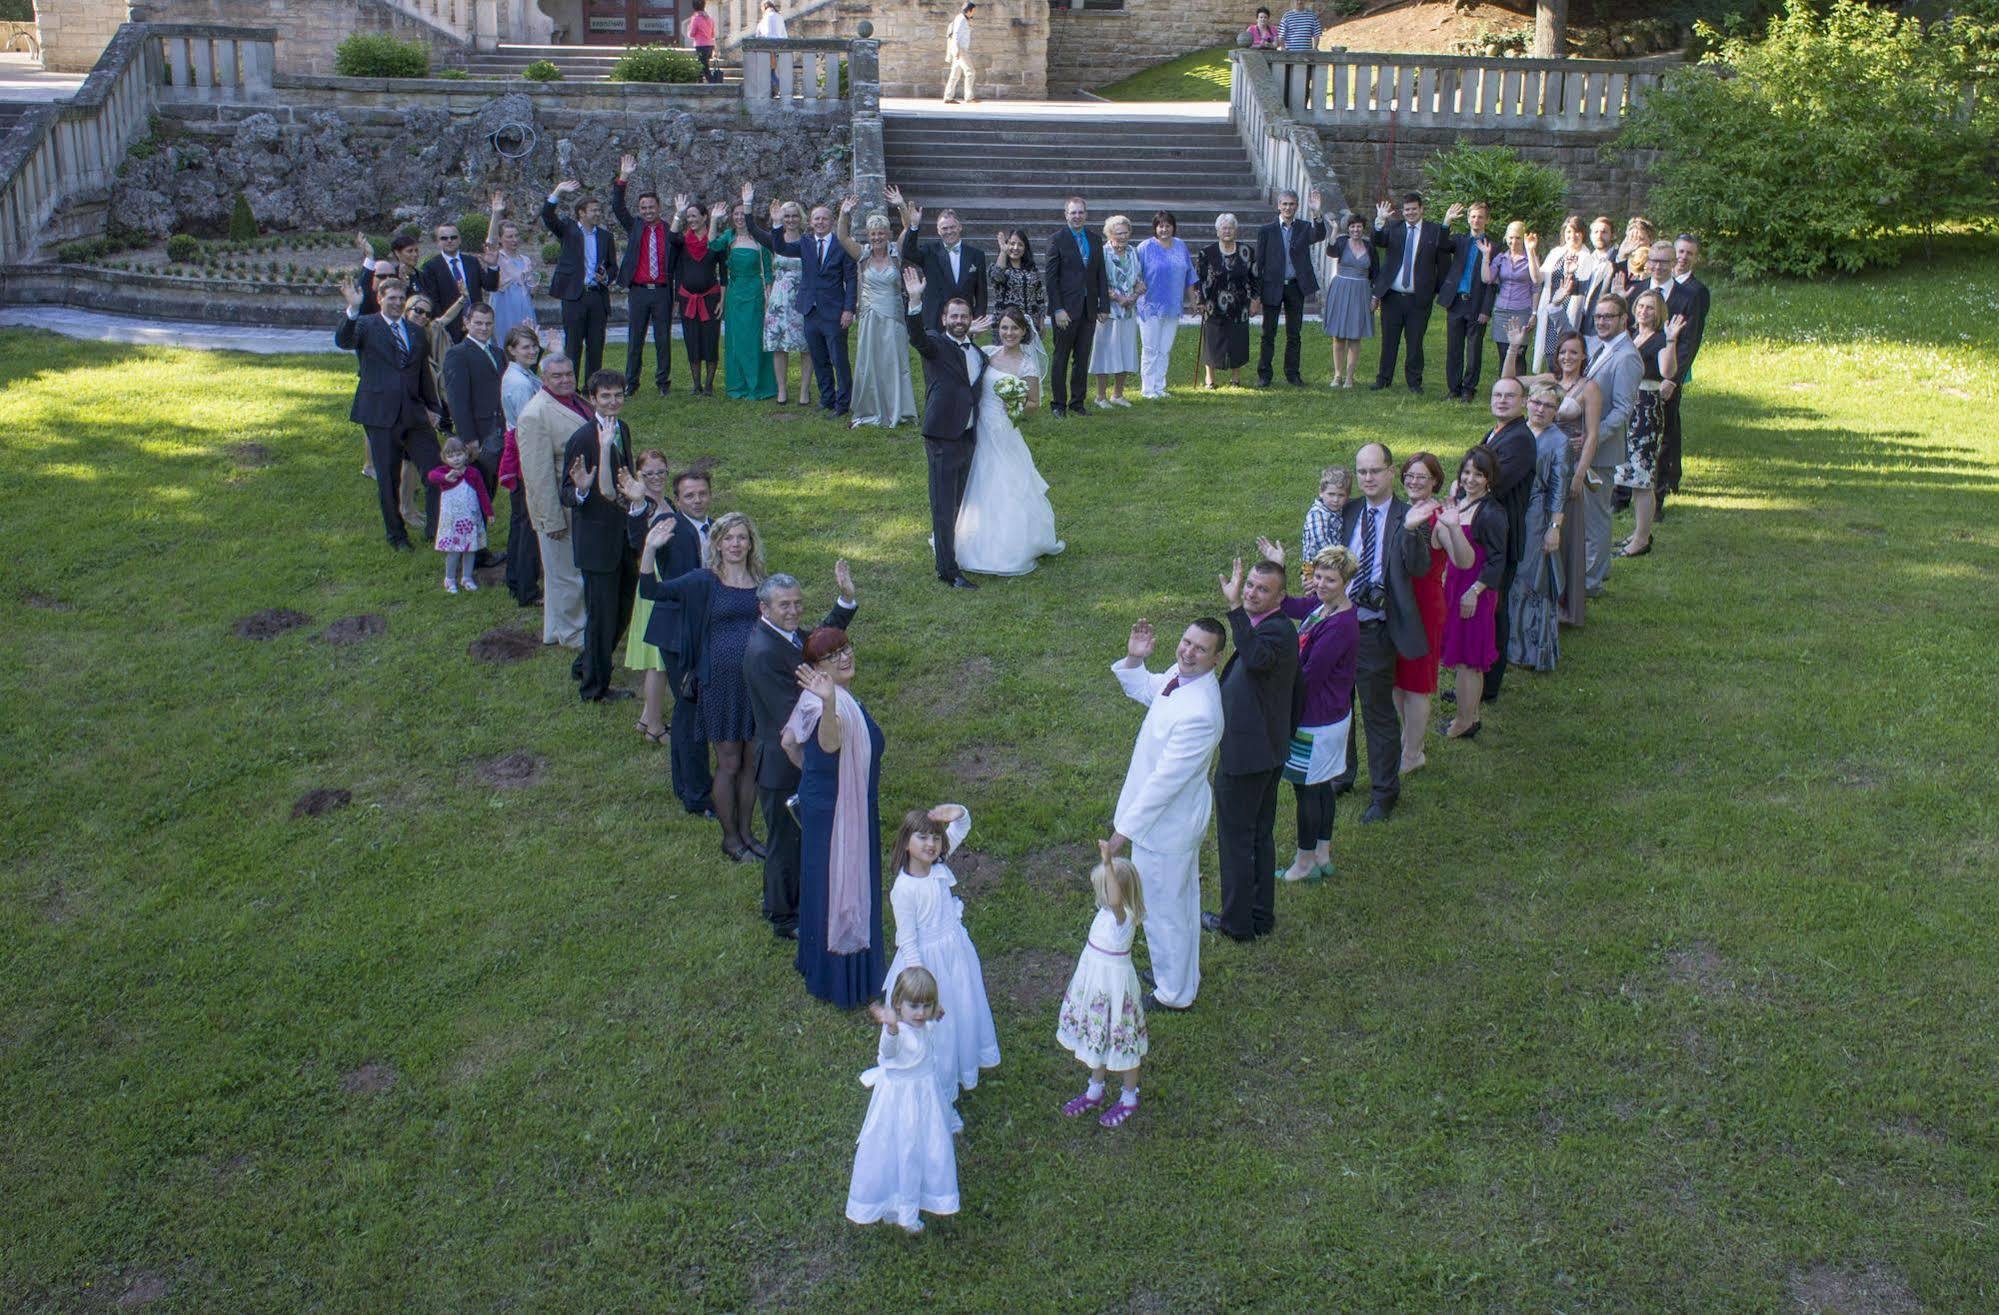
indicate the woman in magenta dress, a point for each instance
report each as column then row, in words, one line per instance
column 1416, row 678
column 1473, row 531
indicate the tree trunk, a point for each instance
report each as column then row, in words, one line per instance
column 1551, row 29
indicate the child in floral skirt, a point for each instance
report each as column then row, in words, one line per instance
column 1103, row 1017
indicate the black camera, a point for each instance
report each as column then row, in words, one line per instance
column 1372, row 597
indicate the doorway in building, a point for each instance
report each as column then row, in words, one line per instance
column 631, row 22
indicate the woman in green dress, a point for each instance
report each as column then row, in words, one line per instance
column 747, row 367
column 639, row 655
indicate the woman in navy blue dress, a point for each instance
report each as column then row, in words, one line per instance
column 838, row 748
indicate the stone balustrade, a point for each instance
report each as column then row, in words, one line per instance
column 190, row 62
column 736, row 20
column 1452, row 91
column 471, row 22
column 801, row 76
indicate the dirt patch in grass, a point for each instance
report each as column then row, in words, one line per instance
column 1868, row 1289
column 1058, row 868
column 512, row 771
column 353, row 629
column 319, row 801
column 961, row 686
column 250, row 456
column 784, row 1278
column 1701, row 969
column 504, row 645
column 982, row 764
column 371, row 1079
column 142, row 1289
column 270, row 623
column 56, row 902
column 40, row 601
column 977, row 873
column 1032, row 979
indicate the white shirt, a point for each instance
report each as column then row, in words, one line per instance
column 960, row 34
column 1380, row 576
column 952, row 252
column 771, row 24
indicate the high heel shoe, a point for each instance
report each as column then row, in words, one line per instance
column 1470, row 732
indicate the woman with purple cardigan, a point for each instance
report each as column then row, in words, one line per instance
column 1322, row 701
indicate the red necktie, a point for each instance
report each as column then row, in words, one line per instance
column 1170, row 686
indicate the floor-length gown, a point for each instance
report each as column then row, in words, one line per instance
column 1005, row 523
column 1575, row 599
column 1535, row 599
column 883, row 394
column 842, row 979
column 746, row 366
column 513, row 302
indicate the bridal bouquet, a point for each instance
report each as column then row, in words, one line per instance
column 1012, row 393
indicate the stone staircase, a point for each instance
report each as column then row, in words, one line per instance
column 1001, row 172
column 578, row 63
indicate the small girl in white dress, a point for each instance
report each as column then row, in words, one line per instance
column 930, row 933
column 463, row 509
column 1103, row 1019
column 904, row 1162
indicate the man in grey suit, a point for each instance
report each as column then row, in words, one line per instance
column 1616, row 367
column 1375, row 528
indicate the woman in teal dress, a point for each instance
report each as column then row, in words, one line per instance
column 746, row 365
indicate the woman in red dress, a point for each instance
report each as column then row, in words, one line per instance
column 1416, row 678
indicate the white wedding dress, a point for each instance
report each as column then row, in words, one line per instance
column 1005, row 524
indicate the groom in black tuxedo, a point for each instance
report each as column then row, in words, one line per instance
column 954, row 369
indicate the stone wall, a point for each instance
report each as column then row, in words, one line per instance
column 1009, row 43
column 75, row 32
column 1091, row 48
column 1613, row 184
column 357, row 167
column 309, row 31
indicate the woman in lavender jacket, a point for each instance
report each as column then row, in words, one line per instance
column 1167, row 266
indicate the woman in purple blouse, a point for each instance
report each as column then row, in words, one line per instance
column 1328, row 642
column 1167, row 266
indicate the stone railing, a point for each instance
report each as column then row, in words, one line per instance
column 793, row 74
column 473, row 23
column 60, row 152
column 1453, row 91
column 1286, row 153
column 189, row 62
column 736, row 20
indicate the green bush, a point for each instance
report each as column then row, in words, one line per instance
column 242, row 223
column 551, row 252
column 542, row 70
column 1515, row 188
column 472, row 227
column 455, row 74
column 379, row 55
column 1349, row 8
column 182, row 248
column 87, row 251
column 656, row 64
column 143, row 149
column 17, row 11
column 1833, row 134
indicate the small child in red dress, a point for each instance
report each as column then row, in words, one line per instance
column 463, row 508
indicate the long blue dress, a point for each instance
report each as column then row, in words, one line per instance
column 842, row 979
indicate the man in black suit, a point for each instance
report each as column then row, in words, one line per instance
column 1257, row 720
column 953, row 371
column 1415, row 255
column 581, row 279
column 651, row 262
column 451, row 274
column 687, row 742
column 952, row 270
column 1074, row 279
column 1688, row 299
column 828, row 292
column 1511, row 439
column 603, row 489
column 395, row 402
column 770, row 664
column 1374, row 528
column 1285, row 262
column 1467, row 302
column 473, row 368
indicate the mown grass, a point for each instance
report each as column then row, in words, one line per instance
column 1203, row 75
column 1673, row 991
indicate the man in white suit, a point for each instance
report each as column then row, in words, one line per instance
column 1164, row 807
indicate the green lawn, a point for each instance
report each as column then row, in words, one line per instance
column 1671, row 992
column 1203, row 75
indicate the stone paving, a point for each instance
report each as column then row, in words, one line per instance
column 23, row 79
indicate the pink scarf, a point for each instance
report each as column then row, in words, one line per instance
column 848, row 867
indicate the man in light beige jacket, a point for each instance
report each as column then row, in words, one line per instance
column 545, row 424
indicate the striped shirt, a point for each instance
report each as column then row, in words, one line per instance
column 1299, row 30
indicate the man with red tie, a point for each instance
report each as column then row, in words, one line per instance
column 648, row 275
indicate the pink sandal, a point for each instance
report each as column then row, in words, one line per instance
column 1083, row 1104
column 1117, row 1114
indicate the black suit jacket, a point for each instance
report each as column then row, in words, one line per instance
column 395, row 387
column 1405, row 557
column 634, row 226
column 597, row 524
column 1691, row 300
column 666, row 629
column 950, row 381
column 567, row 281
column 1256, row 694
column 1434, row 249
column 472, row 392
column 1513, row 445
column 1479, row 301
column 1306, row 235
column 934, row 259
column 768, row 666
column 1072, row 283
column 435, row 281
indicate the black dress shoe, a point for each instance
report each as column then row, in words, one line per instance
column 614, row 694
column 1154, row 1002
column 1375, row 813
column 1416, row 388
column 665, row 389
column 960, row 582
column 1261, row 382
column 1377, row 385
column 401, row 545
column 1213, row 922
column 1342, row 787
column 1078, row 409
column 1294, row 381
column 1145, row 976
column 784, row 932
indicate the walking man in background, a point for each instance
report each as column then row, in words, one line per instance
column 958, row 55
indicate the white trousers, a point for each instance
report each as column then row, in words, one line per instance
column 1172, row 885
column 1155, row 336
column 960, row 66
column 561, row 592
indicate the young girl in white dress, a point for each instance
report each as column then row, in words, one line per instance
column 930, row 934
column 904, row 1162
column 1103, row 1019
column 463, row 509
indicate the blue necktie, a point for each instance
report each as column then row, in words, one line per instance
column 1082, row 244
column 401, row 341
column 1366, row 575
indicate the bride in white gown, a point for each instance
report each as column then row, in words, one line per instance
column 1005, row 523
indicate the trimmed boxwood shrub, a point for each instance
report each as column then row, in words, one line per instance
column 242, row 223
column 551, row 252
column 542, row 70
column 1515, row 188
column 656, row 64
column 378, row 55
column 182, row 248
column 472, row 227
